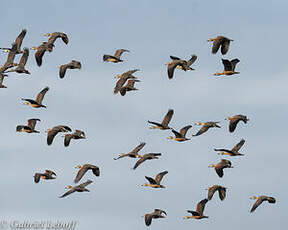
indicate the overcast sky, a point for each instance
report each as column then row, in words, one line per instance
column 84, row 99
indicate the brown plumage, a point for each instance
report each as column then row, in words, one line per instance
column 21, row 66
column 198, row 214
column 220, row 166
column 47, row 175
column 155, row 183
column 154, row 215
column 260, row 199
column 229, row 67
column 220, row 41
column 116, row 57
column 123, row 78
column 72, row 65
column 78, row 188
column 221, row 191
column 37, row 103
column 234, row 151
column 206, row 126
column 84, row 168
column 18, row 42
column 10, row 58
column 147, row 156
column 53, row 37
column 78, row 134
column 133, row 153
column 128, row 87
column 174, row 64
column 234, row 121
column 29, row 128
column 45, row 46
column 164, row 123
column 51, row 133
column 181, row 135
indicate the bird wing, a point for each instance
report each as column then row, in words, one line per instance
column 95, row 170
column 227, row 65
column 52, row 133
column 119, row 85
column 184, row 130
column 193, row 213
column 39, row 54
column 68, row 193
column 83, row 185
column 62, row 70
column 222, row 193
column 175, row 58
column 216, row 44
column 238, row 146
column 138, row 148
column 24, row 57
column 219, row 171
column 203, row 129
column 271, row 199
column 233, row 124
column 32, row 123
column 256, row 204
column 159, row 176
column 67, row 139
column 225, row 46
column 211, row 191
column 148, row 219
column 50, row 172
column 167, row 118
column 234, row 63
column 64, row 38
column 151, row 180
column 140, row 161
column 37, row 177
column 119, row 52
column 159, row 212
column 224, row 150
column 80, row 174
column 170, row 68
column 154, row 123
column 191, row 60
column 41, row 95
column 20, row 38
column 11, row 55
column 201, row 206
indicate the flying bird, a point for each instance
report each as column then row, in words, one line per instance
column 129, row 86
column 220, row 166
column 220, row 41
column 154, row 215
column 47, row 175
column 116, row 57
column 229, row 67
column 198, row 214
column 78, row 134
column 45, row 46
column 206, row 126
column 84, row 168
column 155, row 183
column 165, row 122
column 260, row 199
column 233, row 151
column 78, row 188
column 181, row 135
column 29, row 128
column 147, row 156
column 234, row 121
column 72, row 65
column 37, row 103
column 221, row 191
column 51, row 133
column 123, row 78
column 21, row 66
column 133, row 153
column 18, row 42
column 171, row 66
column 10, row 58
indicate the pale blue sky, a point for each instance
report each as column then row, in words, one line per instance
column 151, row 30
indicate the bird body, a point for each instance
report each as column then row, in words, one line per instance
column 37, row 103
column 206, row 126
column 45, row 46
column 220, row 41
column 221, row 191
column 198, row 214
column 128, row 87
column 259, row 201
column 123, row 78
column 220, row 166
column 29, row 128
column 78, row 188
column 154, row 215
column 234, row 151
column 116, row 57
column 234, row 120
column 53, row 37
column 47, row 175
column 229, row 67
column 51, row 133
column 71, row 65
column 155, row 183
column 84, row 168
column 147, row 156
column 181, row 135
column 78, row 134
column 133, row 153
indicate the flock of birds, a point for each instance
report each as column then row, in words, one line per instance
column 124, row 84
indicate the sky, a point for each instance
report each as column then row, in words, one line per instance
column 84, row 99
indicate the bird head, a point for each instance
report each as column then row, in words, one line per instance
column 47, row 34
column 253, row 197
column 227, row 118
column 170, row 138
column 198, row 123
column 145, row 184
column 33, row 48
column 211, row 166
column 118, row 76
column 68, row 187
column 78, row 167
column 210, row 40
column 221, row 153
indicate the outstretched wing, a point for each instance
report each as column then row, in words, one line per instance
column 140, row 161
column 202, row 130
column 67, row 139
column 80, row 174
column 41, row 95
column 191, row 60
column 119, row 52
column 159, row 176
column 211, row 191
column 24, row 57
column 20, row 38
column 32, row 123
column 37, row 177
column 67, row 193
column 222, row 193
column 225, row 46
column 138, row 148
column 151, row 180
column 167, row 117
column 227, row 65
column 201, row 206
column 184, row 130
column 238, row 146
column 148, row 219
column 216, row 44
column 234, row 63
column 62, row 70
column 256, row 204
column 233, row 124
